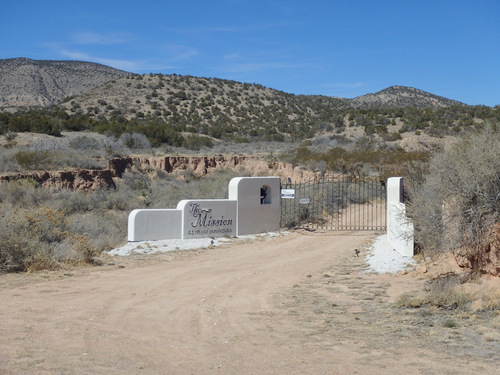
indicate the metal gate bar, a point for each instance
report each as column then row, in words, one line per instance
column 336, row 203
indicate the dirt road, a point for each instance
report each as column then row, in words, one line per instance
column 296, row 304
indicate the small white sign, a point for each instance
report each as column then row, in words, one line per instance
column 288, row 193
column 304, row 201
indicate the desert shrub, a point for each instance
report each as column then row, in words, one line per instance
column 40, row 238
column 123, row 199
column 166, row 193
column 40, row 228
column 134, row 141
column 33, row 159
column 23, row 193
column 64, row 159
column 491, row 299
column 459, row 201
column 19, row 159
column 133, row 179
column 7, row 160
column 85, row 143
column 104, row 229
column 72, row 201
column 448, row 292
column 194, row 142
column 215, row 185
column 15, row 247
column 389, row 137
column 445, row 292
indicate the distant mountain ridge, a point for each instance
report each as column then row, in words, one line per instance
column 42, row 83
column 402, row 96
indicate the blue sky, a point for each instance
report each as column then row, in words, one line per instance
column 326, row 47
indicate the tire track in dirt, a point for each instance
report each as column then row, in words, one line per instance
column 296, row 304
column 187, row 314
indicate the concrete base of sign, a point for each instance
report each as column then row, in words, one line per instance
column 400, row 231
column 253, row 207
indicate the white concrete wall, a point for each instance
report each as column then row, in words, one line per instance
column 245, row 212
column 154, row 224
column 248, row 212
column 256, row 213
column 400, row 231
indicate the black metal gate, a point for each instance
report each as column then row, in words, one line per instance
column 334, row 203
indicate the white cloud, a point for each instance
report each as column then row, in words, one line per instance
column 236, row 63
column 101, row 39
column 345, row 85
column 179, row 52
column 127, row 65
column 146, row 65
column 257, row 66
column 239, row 29
column 342, row 89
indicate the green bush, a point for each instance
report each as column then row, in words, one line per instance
column 33, row 159
column 134, row 141
column 85, row 143
column 194, row 142
column 51, row 159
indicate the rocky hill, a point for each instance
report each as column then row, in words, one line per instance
column 173, row 109
column 400, row 96
column 40, row 83
column 199, row 103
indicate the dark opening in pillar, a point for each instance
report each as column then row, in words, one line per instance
column 265, row 194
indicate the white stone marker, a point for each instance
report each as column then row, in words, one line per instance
column 400, row 232
column 253, row 207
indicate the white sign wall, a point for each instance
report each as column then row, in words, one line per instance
column 253, row 207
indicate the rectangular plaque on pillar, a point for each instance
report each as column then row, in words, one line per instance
column 206, row 218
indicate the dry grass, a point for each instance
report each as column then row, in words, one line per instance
column 44, row 229
column 354, row 306
column 444, row 292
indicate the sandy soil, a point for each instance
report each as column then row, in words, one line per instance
column 296, row 304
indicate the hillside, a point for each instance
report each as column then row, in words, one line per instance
column 173, row 109
column 41, row 83
column 28, row 83
column 205, row 103
column 400, row 96
column 198, row 104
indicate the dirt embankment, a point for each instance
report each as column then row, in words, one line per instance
column 203, row 165
column 92, row 179
column 80, row 179
column 296, row 304
column 487, row 260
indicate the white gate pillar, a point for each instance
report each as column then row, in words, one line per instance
column 399, row 226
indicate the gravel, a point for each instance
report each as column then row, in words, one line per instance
column 382, row 258
column 161, row 246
